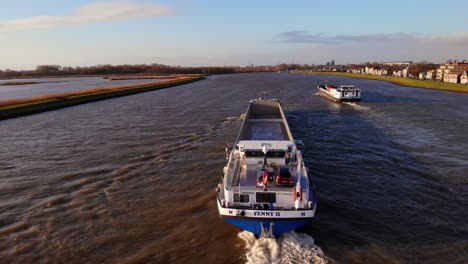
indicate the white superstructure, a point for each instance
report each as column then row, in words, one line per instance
column 343, row 93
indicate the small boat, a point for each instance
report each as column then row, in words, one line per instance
column 343, row 93
column 265, row 187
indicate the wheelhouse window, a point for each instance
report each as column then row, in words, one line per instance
column 270, row 154
column 264, row 197
column 242, row 198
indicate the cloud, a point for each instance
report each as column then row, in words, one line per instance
column 100, row 12
column 300, row 36
column 457, row 38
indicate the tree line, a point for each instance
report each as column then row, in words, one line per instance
column 161, row 69
column 56, row 70
column 143, row 69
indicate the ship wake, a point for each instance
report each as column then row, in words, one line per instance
column 357, row 106
column 290, row 247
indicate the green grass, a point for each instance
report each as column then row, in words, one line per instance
column 455, row 87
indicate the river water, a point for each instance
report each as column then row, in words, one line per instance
column 132, row 179
column 58, row 85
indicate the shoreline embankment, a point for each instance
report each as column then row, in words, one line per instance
column 27, row 83
column 105, row 76
column 426, row 84
column 37, row 104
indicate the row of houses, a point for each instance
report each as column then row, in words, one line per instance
column 427, row 75
column 382, row 71
column 451, row 72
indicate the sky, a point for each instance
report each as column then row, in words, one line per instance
column 219, row 33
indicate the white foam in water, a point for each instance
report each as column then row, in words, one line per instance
column 291, row 247
column 357, row 106
column 230, row 119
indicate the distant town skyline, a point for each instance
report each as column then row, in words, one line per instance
column 218, row 33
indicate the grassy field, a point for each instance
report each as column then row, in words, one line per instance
column 455, row 87
column 37, row 104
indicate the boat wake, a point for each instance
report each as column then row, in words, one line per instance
column 357, row 106
column 291, row 247
column 231, row 119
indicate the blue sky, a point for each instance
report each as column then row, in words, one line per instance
column 85, row 32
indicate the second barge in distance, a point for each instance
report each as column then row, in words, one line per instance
column 265, row 187
column 344, row 93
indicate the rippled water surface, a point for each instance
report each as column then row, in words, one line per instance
column 131, row 179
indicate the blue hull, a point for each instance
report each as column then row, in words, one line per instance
column 279, row 225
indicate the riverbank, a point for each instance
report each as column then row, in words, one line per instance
column 454, row 87
column 145, row 77
column 52, row 76
column 26, row 106
column 26, row 83
column 111, row 77
column 137, row 77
